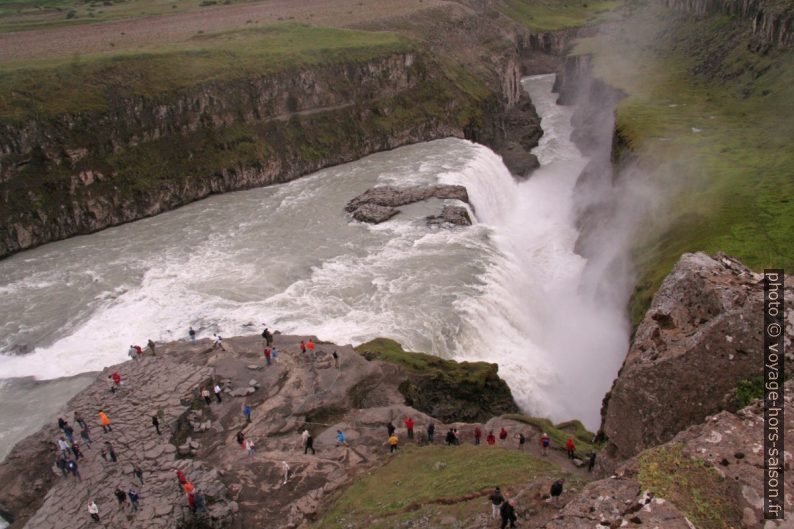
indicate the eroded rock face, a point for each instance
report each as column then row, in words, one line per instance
column 701, row 336
column 724, row 454
column 457, row 215
column 374, row 214
column 380, row 203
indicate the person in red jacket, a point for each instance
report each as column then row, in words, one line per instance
column 409, row 425
column 116, row 377
column 502, row 434
column 267, row 355
column 477, row 435
column 181, row 477
column 570, row 448
column 491, row 439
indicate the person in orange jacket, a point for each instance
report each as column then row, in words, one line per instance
column 570, row 448
column 103, row 418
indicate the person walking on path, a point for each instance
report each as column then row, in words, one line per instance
column 409, row 425
column 206, row 394
column 61, row 423
column 64, row 447
column 310, row 346
column 192, row 334
column 431, row 430
column 274, row 354
column 85, row 436
column 69, row 431
column 134, row 498
column 521, row 440
column 116, row 378
column 79, row 420
column 156, row 423
column 390, row 429
column 71, row 466
column 250, row 447
column 105, row 421
column 304, row 436
column 191, row 502
column 308, row 444
column 240, row 439
column 340, row 438
column 508, row 513
column 477, row 435
column 570, row 448
column 285, row 466
column 121, row 496
column 267, row 355
column 450, row 437
column 137, row 471
column 502, row 434
column 556, row 490
column 150, row 345
column 181, row 477
column 218, row 344
column 198, row 499
column 76, row 451
column 60, row 462
column 591, row 463
column 491, row 439
column 336, row 359
column 268, row 336
column 496, row 501
column 132, row 352
column 217, row 390
column 303, row 347
column 544, row 444
column 393, row 442
column 247, row 412
column 93, row 510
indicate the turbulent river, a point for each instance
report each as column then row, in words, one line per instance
column 508, row 289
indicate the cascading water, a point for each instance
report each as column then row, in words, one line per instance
column 508, row 289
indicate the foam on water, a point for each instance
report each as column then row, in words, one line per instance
column 508, row 289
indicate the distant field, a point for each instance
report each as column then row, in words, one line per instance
column 711, row 124
column 83, row 83
column 549, row 15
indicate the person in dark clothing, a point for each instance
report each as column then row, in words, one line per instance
column 111, row 452
column 450, row 437
column 198, row 499
column 156, row 423
column 240, row 438
column 591, row 463
column 390, row 428
column 556, row 489
column 133, row 495
column 137, row 472
column 192, row 334
column 60, row 462
column 79, row 420
column 121, row 496
column 84, row 435
column 309, row 445
column 521, row 440
column 69, row 431
column 268, row 336
column 150, row 345
column 61, row 423
column 76, row 451
column 477, row 435
column 247, row 412
column 496, row 501
column 71, row 466
column 431, row 430
column 508, row 513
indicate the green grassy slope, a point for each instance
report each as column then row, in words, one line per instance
column 435, row 482
column 550, row 15
column 711, row 122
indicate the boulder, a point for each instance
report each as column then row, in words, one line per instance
column 392, row 196
column 374, row 214
column 457, row 215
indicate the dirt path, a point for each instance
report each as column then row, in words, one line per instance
column 157, row 30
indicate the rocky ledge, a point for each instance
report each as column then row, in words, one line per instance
column 698, row 342
column 380, row 203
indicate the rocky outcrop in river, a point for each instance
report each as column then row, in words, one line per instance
column 380, row 203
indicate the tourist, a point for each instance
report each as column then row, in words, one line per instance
column 137, row 471
column 111, row 452
column 450, row 437
column 304, row 436
column 93, row 510
column 198, row 499
column 303, row 347
column 477, row 435
column 274, row 354
column 491, row 439
column 150, row 346
column 310, row 346
column 591, row 463
column 61, row 423
column 556, row 489
column 268, row 336
column 267, row 355
column 71, row 466
column 544, row 444
column 156, row 423
column 393, row 441
column 521, row 440
column 496, row 501
column 508, row 514
column 121, row 496
column 76, row 451
column 247, row 412
column 181, row 477
column 285, row 466
column 336, row 359
column 206, row 394
column 188, row 487
column 218, row 344
column 60, row 462
column 308, row 444
column 116, row 378
column 79, row 420
column 217, row 390
column 139, row 350
column 85, row 436
column 390, row 429
column 502, row 434
column 340, row 438
column 191, row 502
column 134, row 498
column 409, row 425
column 132, row 353
column 63, row 446
column 431, row 430
column 456, row 435
column 240, row 437
column 192, row 334
column 249, row 445
column 570, row 448
column 69, row 431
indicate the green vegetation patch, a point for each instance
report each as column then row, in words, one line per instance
column 433, row 482
column 708, row 121
column 694, row 486
column 89, row 83
column 560, row 433
column 550, row 15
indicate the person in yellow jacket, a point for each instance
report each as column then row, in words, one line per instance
column 103, row 418
column 393, row 441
